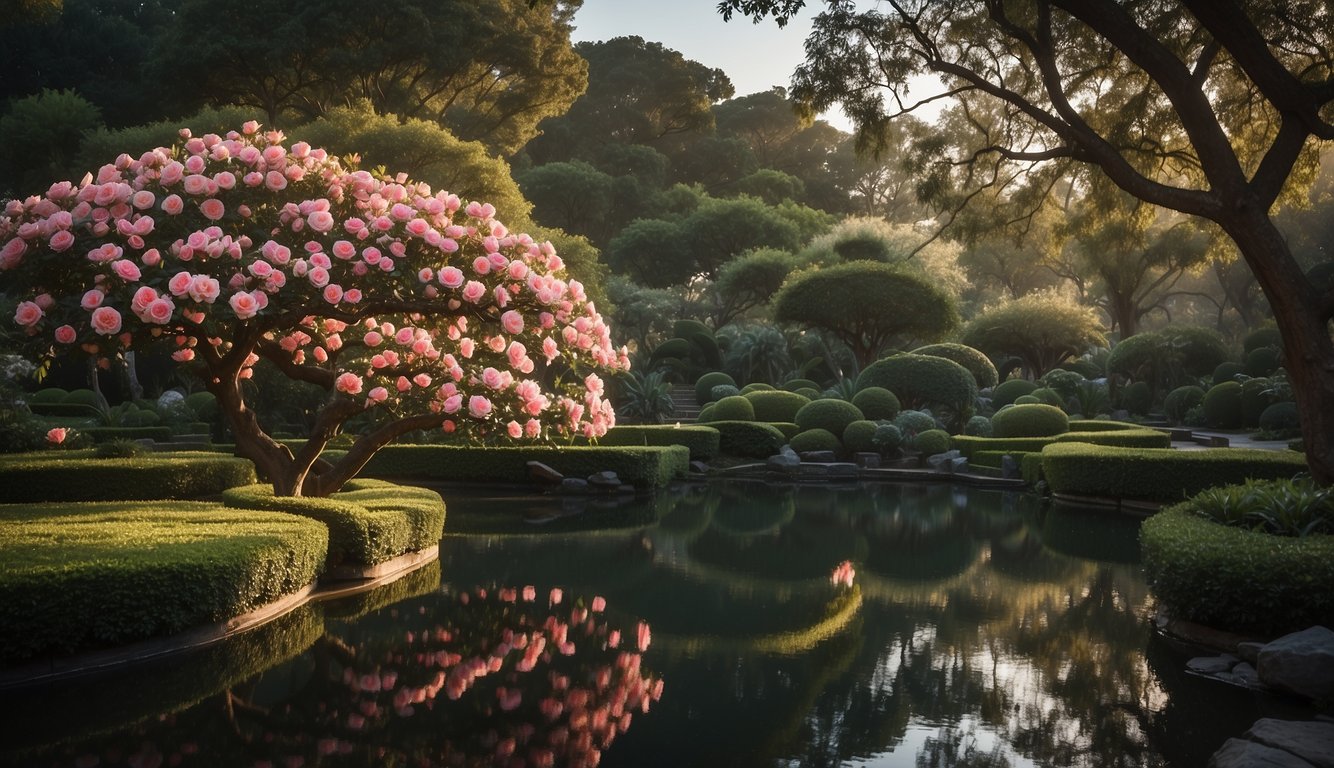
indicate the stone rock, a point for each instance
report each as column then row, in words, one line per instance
column 1309, row 740
column 784, row 463
column 1238, row 753
column 1121, row 415
column 867, row 459
column 1250, row 651
column 626, row 489
column 1244, row 674
column 1010, row 469
column 818, row 457
column 1211, row 665
column 543, row 473
column 958, row 464
column 843, row 470
column 814, row 472
column 1300, row 663
column 573, row 485
column 699, row 467
column 169, row 399
column 604, row 480
column 940, row 462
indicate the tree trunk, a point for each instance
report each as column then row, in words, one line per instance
column 1308, row 348
column 273, row 460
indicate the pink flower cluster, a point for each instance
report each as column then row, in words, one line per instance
column 409, row 299
column 843, row 574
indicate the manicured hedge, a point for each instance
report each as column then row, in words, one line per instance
column 82, row 576
column 1029, row 421
column 107, row 434
column 816, row 440
column 733, row 408
column 1159, row 474
column 977, row 363
column 1007, row 391
column 705, row 384
column 643, row 467
column 828, row 414
column 877, row 403
column 923, row 381
column 1236, row 579
column 1134, row 437
column 749, row 439
column 992, row 459
column 369, row 522
column 78, row 476
column 702, row 440
column 775, row 405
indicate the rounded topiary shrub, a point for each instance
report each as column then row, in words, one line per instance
column 1137, row 398
column 1256, row 396
column 931, row 442
column 977, row 363
column 1281, row 418
column 859, row 436
column 887, row 438
column 705, row 384
column 756, row 386
column 748, row 439
column 1049, row 396
column 924, row 381
column 828, row 414
column 1010, row 390
column 1037, row 420
column 1222, row 406
column 1227, row 372
column 1263, row 361
column 776, row 405
column 978, row 426
column 815, row 440
column 1180, row 401
column 1025, row 400
column 81, row 397
column 792, row 385
column 910, row 423
column 810, row 393
column 733, row 408
column 1262, row 337
column 876, row 403
column 705, row 413
column 723, row 390
column 48, row 395
column 1065, row 383
column 204, row 405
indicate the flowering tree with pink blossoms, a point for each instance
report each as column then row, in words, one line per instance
column 232, row 249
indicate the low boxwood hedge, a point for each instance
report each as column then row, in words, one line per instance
column 817, row 439
column 643, row 467
column 78, row 476
column 369, row 521
column 828, row 414
column 776, row 405
column 1030, row 421
column 701, row 440
column 82, row 576
column 749, row 439
column 1237, row 579
column 1133, row 437
column 992, row 459
column 1161, row 474
column 107, row 434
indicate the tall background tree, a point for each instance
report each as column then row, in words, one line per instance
column 1207, row 107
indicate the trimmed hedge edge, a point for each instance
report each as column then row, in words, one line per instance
column 1164, row 474
column 643, row 466
column 77, row 476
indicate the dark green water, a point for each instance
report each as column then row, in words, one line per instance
column 982, row 631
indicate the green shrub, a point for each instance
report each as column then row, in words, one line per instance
column 1129, row 436
column 788, row 428
column 702, row 441
column 106, row 434
column 748, row 439
column 1158, row 474
column 931, row 442
column 1276, row 507
column 76, row 577
column 1236, row 579
column 1227, row 372
column 1256, row 396
column 776, row 405
column 924, row 381
column 876, row 403
column 119, row 449
column 733, row 408
column 887, row 438
column 859, row 435
column 705, row 384
column 77, row 476
column 1281, row 419
column 139, row 418
column 756, row 386
column 85, row 397
column 1030, row 421
column 1026, row 400
column 204, row 405
column 1137, row 398
column 1263, row 361
column 1049, row 396
column 1261, row 337
column 1195, row 349
column 1179, row 402
column 831, row 415
column 792, row 385
column 1064, row 383
column 1222, row 406
column 47, row 396
column 369, row 522
column 977, row 363
column 912, row 422
column 810, row 393
column 816, row 439
column 723, row 390
column 646, row 467
column 993, row 459
column 705, row 414
column 978, row 426
column 1009, row 390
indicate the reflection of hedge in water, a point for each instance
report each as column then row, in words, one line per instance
column 799, row 551
column 752, row 517
column 690, row 514
column 537, row 515
column 1022, row 557
column 1091, row 534
column 421, row 581
column 540, row 559
column 921, row 557
column 68, row 711
column 838, row 615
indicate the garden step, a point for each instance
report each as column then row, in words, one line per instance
column 683, row 400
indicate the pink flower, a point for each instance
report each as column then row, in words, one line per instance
column 244, row 304
column 379, row 394
column 28, row 313
column 56, row 436
column 333, row 293
column 321, row 221
column 213, row 209
column 204, row 289
column 421, row 380
column 173, row 204
column 556, row 595
column 275, row 181
column 599, row 604
column 61, row 241
column 644, row 636
column 514, row 429
column 349, row 383
column 66, row 334
column 512, row 322
column 106, row 321
column 479, row 407
column 450, row 277
column 529, row 593
column 126, row 269
column 372, row 339
column 160, row 311
column 474, row 291
column 843, row 574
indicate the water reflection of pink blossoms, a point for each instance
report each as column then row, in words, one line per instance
column 498, row 684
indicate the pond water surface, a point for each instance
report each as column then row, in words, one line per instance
column 982, row 630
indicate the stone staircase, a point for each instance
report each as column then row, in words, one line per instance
column 683, row 398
